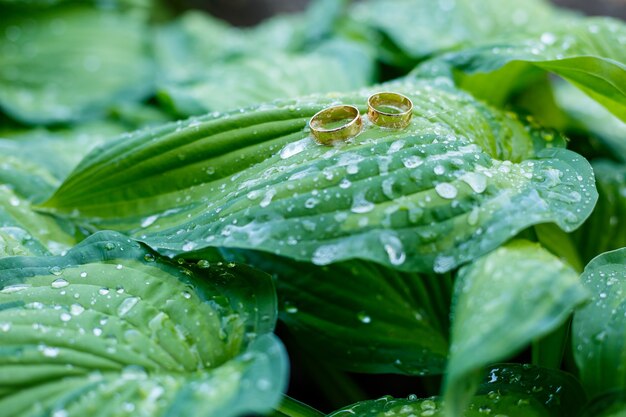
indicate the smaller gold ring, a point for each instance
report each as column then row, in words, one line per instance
column 337, row 123
column 390, row 110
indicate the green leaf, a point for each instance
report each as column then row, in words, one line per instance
column 71, row 62
column 589, row 53
column 502, row 302
column 609, row 405
column 605, row 229
column 111, row 328
column 334, row 67
column 458, row 182
column 25, row 231
column 363, row 317
column 415, row 26
column 588, row 117
column 32, row 150
column 511, row 390
column 598, row 336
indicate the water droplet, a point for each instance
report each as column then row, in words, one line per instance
column 49, row 352
column 59, row 283
column 189, row 246
column 446, row 190
column 443, row 263
column 364, row 318
column 109, row 246
column 97, row 331
column 83, row 275
column 103, row 291
column 186, row 294
column 14, row 288
column 76, row 309
column 148, row 257
column 56, row 270
column 65, row 317
column 5, row 326
column 439, row 170
column 360, row 204
column 412, row 161
column 126, row 305
column 119, row 266
column 149, row 220
column 290, row 308
column 294, row 148
column 476, row 181
column 394, row 248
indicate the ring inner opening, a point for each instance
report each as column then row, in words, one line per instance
column 390, row 104
column 334, row 118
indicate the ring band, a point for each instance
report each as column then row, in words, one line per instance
column 337, row 123
column 390, row 110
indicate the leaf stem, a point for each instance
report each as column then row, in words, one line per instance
column 290, row 407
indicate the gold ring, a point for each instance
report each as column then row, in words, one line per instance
column 336, row 123
column 391, row 110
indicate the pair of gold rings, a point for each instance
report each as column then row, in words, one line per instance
column 339, row 123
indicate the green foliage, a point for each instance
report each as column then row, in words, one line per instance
column 112, row 327
column 135, row 247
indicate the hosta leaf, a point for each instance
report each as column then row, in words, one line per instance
column 605, row 229
column 511, row 390
column 588, row 117
column 25, row 231
column 502, row 302
column 71, row 62
column 459, row 181
column 334, row 67
column 598, row 335
column 32, row 150
column 589, row 53
column 361, row 316
column 415, row 26
column 113, row 329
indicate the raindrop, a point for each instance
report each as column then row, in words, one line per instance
column 59, row 283
column 126, row 305
column 364, row 318
column 56, row 270
column 148, row 257
column 393, row 246
column 189, row 246
column 147, row 221
column 446, row 190
column 65, row 317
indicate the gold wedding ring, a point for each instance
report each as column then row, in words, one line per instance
column 337, row 123
column 390, row 110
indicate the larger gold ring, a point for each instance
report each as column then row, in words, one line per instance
column 390, row 110
column 337, row 123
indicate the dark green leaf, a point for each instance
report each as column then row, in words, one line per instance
column 113, row 329
column 511, row 390
column 598, row 330
column 609, row 405
column 502, row 302
column 71, row 62
column 605, row 229
column 458, row 182
column 361, row 316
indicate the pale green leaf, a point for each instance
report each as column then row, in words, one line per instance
column 113, row 329
column 598, row 330
column 458, row 182
column 71, row 62
column 502, row 302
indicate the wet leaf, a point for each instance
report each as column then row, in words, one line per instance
column 598, row 336
column 511, row 390
column 361, row 316
column 589, row 53
column 112, row 328
column 459, row 181
column 71, row 62
column 502, row 302
column 605, row 230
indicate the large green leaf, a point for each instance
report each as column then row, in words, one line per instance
column 605, row 229
column 502, row 302
column 609, row 405
column 415, row 26
column 71, row 62
column 33, row 150
column 589, row 53
column 363, row 317
column 333, row 67
column 511, row 390
column 458, row 182
column 599, row 336
column 113, row 329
